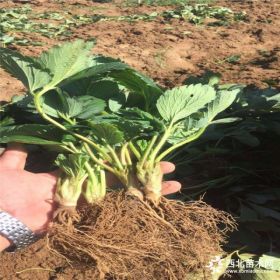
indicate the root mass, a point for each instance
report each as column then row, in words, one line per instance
column 127, row 238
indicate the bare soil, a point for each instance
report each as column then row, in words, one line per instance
column 169, row 53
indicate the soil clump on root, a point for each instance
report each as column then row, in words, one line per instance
column 126, row 238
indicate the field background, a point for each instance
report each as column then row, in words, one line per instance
column 168, row 50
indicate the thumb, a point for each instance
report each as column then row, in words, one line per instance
column 14, row 157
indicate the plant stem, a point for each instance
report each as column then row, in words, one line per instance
column 127, row 155
column 190, row 139
column 147, row 151
column 91, row 188
column 134, row 150
column 115, row 157
column 161, row 142
column 98, row 161
column 122, row 154
column 73, row 147
column 89, row 169
column 46, row 117
column 103, row 182
column 67, row 119
column 68, row 149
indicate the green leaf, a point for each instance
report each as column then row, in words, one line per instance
column 78, row 87
column 208, row 77
column 265, row 212
column 25, row 139
column 105, row 89
column 144, row 118
column 270, row 261
column 137, row 123
column 133, row 122
column 226, row 120
column 271, row 275
column 200, row 120
column 142, row 145
column 53, row 104
column 73, row 107
column 31, row 134
column 222, row 266
column 245, row 137
column 98, row 65
column 221, row 102
column 178, row 103
column 24, row 103
column 139, row 86
column 35, row 131
column 257, row 101
column 25, row 69
column 73, row 165
column 247, row 214
column 184, row 129
column 260, row 274
column 114, row 105
column 263, row 196
column 90, row 106
column 109, row 91
column 6, row 121
column 245, row 256
column 30, row 129
column 107, row 133
column 66, row 60
column 135, row 82
column 82, row 107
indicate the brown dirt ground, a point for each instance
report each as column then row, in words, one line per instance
column 169, row 53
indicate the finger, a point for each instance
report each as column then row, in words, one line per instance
column 14, row 157
column 169, row 187
column 167, row 167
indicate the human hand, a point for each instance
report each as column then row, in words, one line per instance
column 25, row 195
column 169, row 187
column 29, row 196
